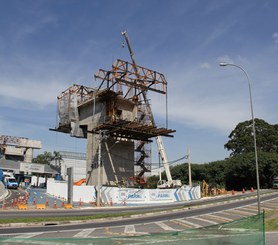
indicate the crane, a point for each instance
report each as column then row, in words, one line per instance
column 162, row 183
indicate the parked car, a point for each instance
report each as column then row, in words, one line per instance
column 10, row 183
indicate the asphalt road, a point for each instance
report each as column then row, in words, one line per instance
column 141, row 219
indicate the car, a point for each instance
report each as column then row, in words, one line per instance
column 10, row 183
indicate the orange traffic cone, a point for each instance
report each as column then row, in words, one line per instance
column 252, row 189
column 111, row 203
column 243, row 190
column 4, row 204
column 34, row 201
column 80, row 203
column 233, row 192
column 55, row 204
column 63, row 203
column 46, row 202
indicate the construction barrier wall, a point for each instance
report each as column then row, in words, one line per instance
column 120, row 195
column 3, row 191
column 132, row 195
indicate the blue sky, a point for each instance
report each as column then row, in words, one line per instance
column 46, row 46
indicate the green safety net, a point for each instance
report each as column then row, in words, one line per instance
column 248, row 231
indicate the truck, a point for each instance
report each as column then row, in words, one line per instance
column 275, row 183
column 10, row 183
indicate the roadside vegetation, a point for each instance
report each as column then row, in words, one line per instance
column 237, row 171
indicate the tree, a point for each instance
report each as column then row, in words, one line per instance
column 240, row 170
column 242, row 141
column 44, row 158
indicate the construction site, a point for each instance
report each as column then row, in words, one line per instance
column 117, row 120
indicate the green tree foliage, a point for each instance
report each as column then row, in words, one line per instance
column 240, row 170
column 44, row 158
column 242, row 141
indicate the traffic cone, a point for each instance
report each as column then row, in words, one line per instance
column 111, row 203
column 46, row 202
column 12, row 203
column 95, row 202
column 124, row 203
column 63, row 202
column 4, row 204
column 34, row 201
column 55, row 204
column 252, row 189
column 26, row 199
column 233, row 192
column 80, row 203
column 243, row 190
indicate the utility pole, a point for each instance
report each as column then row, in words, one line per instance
column 189, row 168
column 98, row 170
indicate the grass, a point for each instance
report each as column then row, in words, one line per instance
column 62, row 219
column 271, row 220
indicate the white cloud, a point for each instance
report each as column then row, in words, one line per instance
column 225, row 58
column 275, row 37
column 205, row 65
column 14, row 94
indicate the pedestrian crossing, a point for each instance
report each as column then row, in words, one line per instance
column 190, row 222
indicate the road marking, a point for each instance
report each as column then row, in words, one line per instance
column 165, row 227
column 189, row 223
column 129, row 229
column 268, row 205
column 274, row 203
column 28, row 235
column 84, row 233
column 179, row 222
column 252, row 207
column 239, row 212
column 216, row 217
column 246, row 209
column 205, row 220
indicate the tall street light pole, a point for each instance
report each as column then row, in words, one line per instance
column 254, row 132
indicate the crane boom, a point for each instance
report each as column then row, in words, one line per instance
column 159, row 142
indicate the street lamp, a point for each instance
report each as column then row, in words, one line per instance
column 254, row 131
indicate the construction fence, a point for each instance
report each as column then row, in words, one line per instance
column 248, row 231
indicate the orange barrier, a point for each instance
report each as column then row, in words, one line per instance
column 40, row 206
column 80, row 182
column 22, row 206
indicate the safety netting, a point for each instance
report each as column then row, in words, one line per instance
column 249, row 230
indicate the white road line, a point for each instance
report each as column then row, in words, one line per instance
column 28, row 235
column 84, row 233
column 248, row 210
column 239, row 212
column 165, row 227
column 130, row 229
column 268, row 205
column 205, row 220
column 189, row 223
column 214, row 216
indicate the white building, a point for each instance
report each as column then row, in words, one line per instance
column 75, row 160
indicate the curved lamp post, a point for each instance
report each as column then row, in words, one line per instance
column 254, row 132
